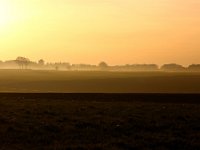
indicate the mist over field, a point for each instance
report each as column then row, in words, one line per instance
column 98, row 82
column 99, row 75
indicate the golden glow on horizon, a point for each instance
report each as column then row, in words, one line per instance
column 119, row 32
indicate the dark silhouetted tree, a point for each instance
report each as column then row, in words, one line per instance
column 23, row 62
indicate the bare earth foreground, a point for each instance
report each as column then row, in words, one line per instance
column 99, row 121
column 59, row 120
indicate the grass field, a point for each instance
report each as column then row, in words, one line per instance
column 99, row 121
column 98, row 82
column 58, row 121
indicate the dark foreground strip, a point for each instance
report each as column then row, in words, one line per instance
column 129, row 97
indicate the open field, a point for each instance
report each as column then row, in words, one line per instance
column 98, row 82
column 57, row 120
column 99, row 121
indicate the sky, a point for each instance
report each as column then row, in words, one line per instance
column 90, row 31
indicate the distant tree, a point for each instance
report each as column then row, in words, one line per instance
column 143, row 67
column 23, row 62
column 194, row 67
column 173, row 67
column 41, row 62
column 103, row 64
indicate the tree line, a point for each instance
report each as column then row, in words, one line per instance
column 26, row 63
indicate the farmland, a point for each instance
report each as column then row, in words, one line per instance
column 33, row 81
column 99, row 110
column 99, row 121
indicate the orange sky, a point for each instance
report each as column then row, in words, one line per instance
column 116, row 31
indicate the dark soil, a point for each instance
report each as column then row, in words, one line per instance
column 99, row 121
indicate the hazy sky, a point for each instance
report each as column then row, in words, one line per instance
column 89, row 31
